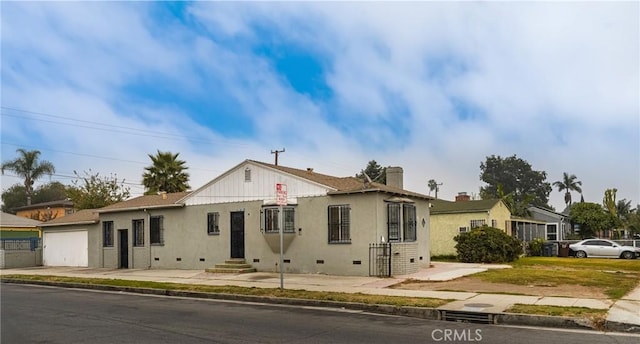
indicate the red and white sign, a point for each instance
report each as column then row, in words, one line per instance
column 281, row 194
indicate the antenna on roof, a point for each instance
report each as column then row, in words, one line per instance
column 277, row 152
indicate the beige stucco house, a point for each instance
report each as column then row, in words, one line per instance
column 448, row 219
column 329, row 224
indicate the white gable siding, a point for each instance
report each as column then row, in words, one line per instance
column 232, row 187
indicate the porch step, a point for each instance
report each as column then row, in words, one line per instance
column 231, row 270
column 238, row 266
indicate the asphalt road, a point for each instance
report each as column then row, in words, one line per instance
column 36, row 314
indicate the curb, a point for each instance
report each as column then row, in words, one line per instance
column 414, row 312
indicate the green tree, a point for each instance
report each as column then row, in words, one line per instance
column 516, row 207
column 28, row 167
column 54, row 191
column 591, row 218
column 517, row 178
column 568, row 184
column 611, row 208
column 623, row 209
column 433, row 186
column 166, row 174
column 376, row 172
column 633, row 221
column 15, row 196
column 93, row 191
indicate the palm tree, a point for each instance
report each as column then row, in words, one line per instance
column 28, row 167
column 166, row 174
column 433, row 186
column 568, row 184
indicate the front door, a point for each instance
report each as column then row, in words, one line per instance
column 123, row 244
column 237, row 234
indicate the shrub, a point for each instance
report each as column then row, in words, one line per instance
column 487, row 245
column 445, row 258
column 534, row 247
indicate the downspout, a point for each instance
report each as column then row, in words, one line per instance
column 148, row 221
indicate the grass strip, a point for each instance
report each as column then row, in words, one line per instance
column 252, row 291
column 576, row 312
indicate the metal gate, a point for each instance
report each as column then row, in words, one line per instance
column 380, row 260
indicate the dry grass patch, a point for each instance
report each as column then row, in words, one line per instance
column 548, row 276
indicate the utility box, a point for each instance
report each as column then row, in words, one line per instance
column 549, row 249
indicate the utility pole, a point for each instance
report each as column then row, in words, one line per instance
column 277, row 152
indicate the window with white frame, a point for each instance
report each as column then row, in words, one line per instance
column 270, row 219
column 213, row 223
column 477, row 223
column 494, row 223
column 552, row 231
column 107, row 234
column 463, row 229
column 339, row 220
column 138, row 232
column 401, row 222
column 156, row 230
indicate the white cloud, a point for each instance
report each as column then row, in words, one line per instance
column 555, row 83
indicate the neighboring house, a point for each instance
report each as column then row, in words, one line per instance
column 329, row 224
column 16, row 227
column 46, row 211
column 19, row 242
column 66, row 240
column 527, row 229
column 448, row 219
column 556, row 225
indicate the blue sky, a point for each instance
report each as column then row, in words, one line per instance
column 434, row 87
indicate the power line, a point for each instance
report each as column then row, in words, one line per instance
column 93, row 155
column 136, row 132
column 109, row 127
column 65, row 176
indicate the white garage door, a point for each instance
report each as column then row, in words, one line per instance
column 65, row 248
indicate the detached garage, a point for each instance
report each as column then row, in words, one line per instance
column 66, row 240
column 69, row 248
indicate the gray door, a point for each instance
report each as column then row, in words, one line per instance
column 237, row 234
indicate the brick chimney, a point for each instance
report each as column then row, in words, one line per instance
column 462, row 197
column 395, row 176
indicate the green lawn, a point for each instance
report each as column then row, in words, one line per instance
column 614, row 276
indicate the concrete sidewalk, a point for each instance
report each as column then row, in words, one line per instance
column 624, row 311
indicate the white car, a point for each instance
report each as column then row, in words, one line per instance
column 603, row 248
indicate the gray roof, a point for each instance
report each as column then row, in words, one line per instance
column 10, row 220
